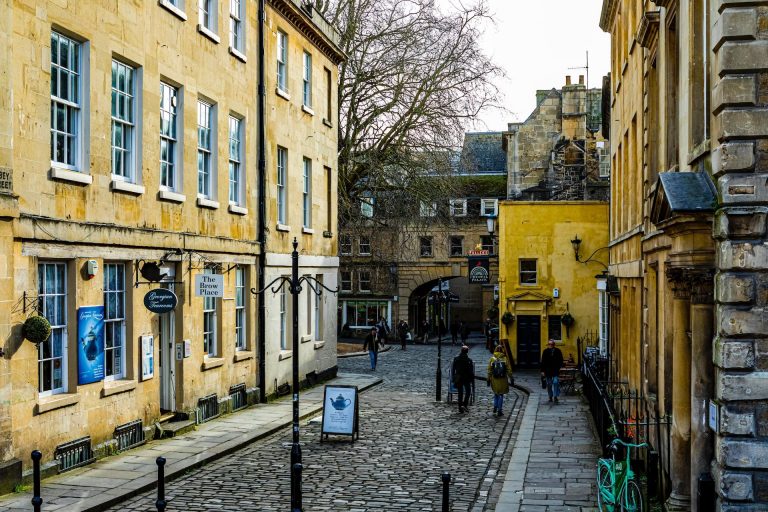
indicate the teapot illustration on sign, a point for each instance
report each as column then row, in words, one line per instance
column 89, row 344
column 340, row 403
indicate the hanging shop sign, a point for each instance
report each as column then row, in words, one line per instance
column 160, row 301
column 479, row 269
column 340, row 412
column 209, row 285
column 90, row 344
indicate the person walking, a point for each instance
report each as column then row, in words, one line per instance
column 372, row 345
column 383, row 330
column 498, row 379
column 402, row 333
column 464, row 332
column 463, row 376
column 454, row 332
column 551, row 362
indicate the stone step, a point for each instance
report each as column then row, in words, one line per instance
column 175, row 426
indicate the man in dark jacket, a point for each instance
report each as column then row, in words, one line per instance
column 372, row 345
column 551, row 362
column 463, row 375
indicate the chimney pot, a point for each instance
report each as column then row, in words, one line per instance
column 567, row 79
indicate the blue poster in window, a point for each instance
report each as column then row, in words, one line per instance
column 90, row 344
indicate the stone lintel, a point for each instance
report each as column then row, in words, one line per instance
column 743, row 386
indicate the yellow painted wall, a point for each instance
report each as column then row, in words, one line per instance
column 543, row 231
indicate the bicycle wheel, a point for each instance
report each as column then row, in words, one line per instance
column 631, row 499
column 604, row 488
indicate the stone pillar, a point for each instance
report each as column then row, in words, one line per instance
column 680, row 451
column 702, row 377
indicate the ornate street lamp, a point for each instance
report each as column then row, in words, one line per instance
column 294, row 287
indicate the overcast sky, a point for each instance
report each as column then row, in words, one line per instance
column 536, row 41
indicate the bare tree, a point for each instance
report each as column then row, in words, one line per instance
column 414, row 76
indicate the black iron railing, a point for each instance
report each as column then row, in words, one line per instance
column 129, row 435
column 207, row 409
column 74, row 454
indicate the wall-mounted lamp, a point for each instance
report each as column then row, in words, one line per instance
column 576, row 243
column 490, row 223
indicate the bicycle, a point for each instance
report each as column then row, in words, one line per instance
column 616, row 485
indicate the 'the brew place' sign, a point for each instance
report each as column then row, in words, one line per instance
column 209, row 285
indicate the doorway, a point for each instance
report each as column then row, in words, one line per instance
column 167, row 361
column 528, row 341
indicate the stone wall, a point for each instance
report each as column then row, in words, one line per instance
column 740, row 130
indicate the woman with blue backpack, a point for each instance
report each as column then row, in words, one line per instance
column 499, row 371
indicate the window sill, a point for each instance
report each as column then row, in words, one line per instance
column 283, row 94
column 173, row 9
column 211, row 363
column 203, row 202
column 53, row 402
column 237, row 54
column 117, row 386
column 285, row 354
column 58, row 173
column 364, row 291
column 329, row 234
column 243, row 355
column 306, row 338
column 174, row 197
column 307, row 110
column 210, row 34
column 308, row 231
column 283, row 227
column 238, row 210
column 319, row 345
column 125, row 186
column 327, row 123
column 364, row 254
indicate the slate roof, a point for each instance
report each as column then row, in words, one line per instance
column 689, row 191
column 482, row 153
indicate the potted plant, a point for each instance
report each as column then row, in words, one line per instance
column 507, row 318
column 567, row 320
column 36, row 329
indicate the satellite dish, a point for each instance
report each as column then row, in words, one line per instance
column 151, row 272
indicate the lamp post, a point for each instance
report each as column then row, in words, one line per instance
column 439, row 300
column 294, row 287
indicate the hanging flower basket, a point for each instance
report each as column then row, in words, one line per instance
column 507, row 318
column 36, row 329
column 567, row 320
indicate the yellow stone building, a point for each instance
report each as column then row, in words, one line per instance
column 129, row 144
column 540, row 278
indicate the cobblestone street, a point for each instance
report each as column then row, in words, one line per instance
column 406, row 441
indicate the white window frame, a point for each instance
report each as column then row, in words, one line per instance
column 283, row 303
column 484, row 207
column 206, row 161
column 124, row 132
column 364, row 245
column 604, row 160
column 366, row 206
column 308, row 308
column 364, row 281
column 207, row 11
column 114, row 320
column 521, row 272
column 603, row 304
column 236, row 167
column 427, row 209
column 241, row 328
column 346, row 284
column 170, row 107
column 319, row 325
column 345, row 245
column 236, row 25
column 282, row 61
column 210, row 322
column 307, row 80
column 71, row 101
column 458, row 207
column 282, row 185
column 53, row 298
column 307, row 192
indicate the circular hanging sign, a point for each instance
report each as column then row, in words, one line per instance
column 160, row 300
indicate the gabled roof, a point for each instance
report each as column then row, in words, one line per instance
column 483, row 153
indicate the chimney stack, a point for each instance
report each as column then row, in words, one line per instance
column 567, row 79
column 581, row 79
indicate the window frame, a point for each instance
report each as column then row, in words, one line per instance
column 306, row 193
column 484, row 245
column 364, row 241
column 120, row 322
column 554, row 321
column 319, row 324
column 241, row 319
column 62, row 309
column 207, row 15
column 211, row 315
column 307, row 79
column 427, row 208
column 132, row 140
column 282, row 185
column 367, row 204
column 236, row 167
column 206, row 156
column 283, row 317
column 522, row 272
column 343, row 282
column 431, row 252
column 364, row 277
column 282, row 61
column 483, row 209
column 452, row 246
column 345, row 241
column 236, row 26
column 454, row 210
column 74, row 104
column 173, row 162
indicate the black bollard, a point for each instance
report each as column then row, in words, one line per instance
column 296, row 505
column 160, row 503
column 446, row 490
column 37, row 501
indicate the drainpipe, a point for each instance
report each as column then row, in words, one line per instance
column 262, row 191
